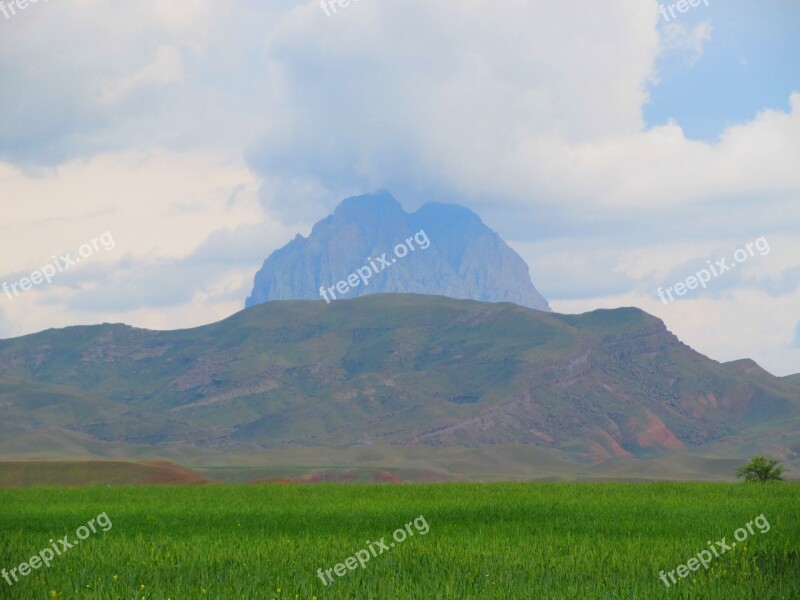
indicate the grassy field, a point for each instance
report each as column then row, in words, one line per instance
column 509, row 541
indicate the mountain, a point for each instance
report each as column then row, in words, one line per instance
column 793, row 379
column 441, row 250
column 389, row 371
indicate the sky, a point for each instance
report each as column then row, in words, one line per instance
column 622, row 150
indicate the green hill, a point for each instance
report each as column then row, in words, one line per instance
column 388, row 371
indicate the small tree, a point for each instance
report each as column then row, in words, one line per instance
column 762, row 469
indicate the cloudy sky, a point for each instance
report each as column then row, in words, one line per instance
column 617, row 148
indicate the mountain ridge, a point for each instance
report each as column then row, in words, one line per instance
column 391, row 370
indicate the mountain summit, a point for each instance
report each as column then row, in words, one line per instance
column 448, row 251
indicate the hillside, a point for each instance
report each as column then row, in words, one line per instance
column 386, row 371
column 62, row 473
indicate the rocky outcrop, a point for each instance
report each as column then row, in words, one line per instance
column 454, row 254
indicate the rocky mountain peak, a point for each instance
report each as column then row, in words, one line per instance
column 441, row 249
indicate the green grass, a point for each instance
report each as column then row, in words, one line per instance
column 509, row 541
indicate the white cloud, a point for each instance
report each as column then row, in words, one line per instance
column 186, row 15
column 166, row 68
column 468, row 95
column 156, row 203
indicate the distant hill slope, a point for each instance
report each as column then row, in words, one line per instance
column 793, row 379
column 68, row 473
column 388, row 370
column 456, row 255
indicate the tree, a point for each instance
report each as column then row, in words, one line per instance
column 761, row 469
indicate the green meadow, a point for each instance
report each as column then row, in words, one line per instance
column 509, row 541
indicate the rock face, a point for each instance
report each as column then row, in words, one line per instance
column 454, row 254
